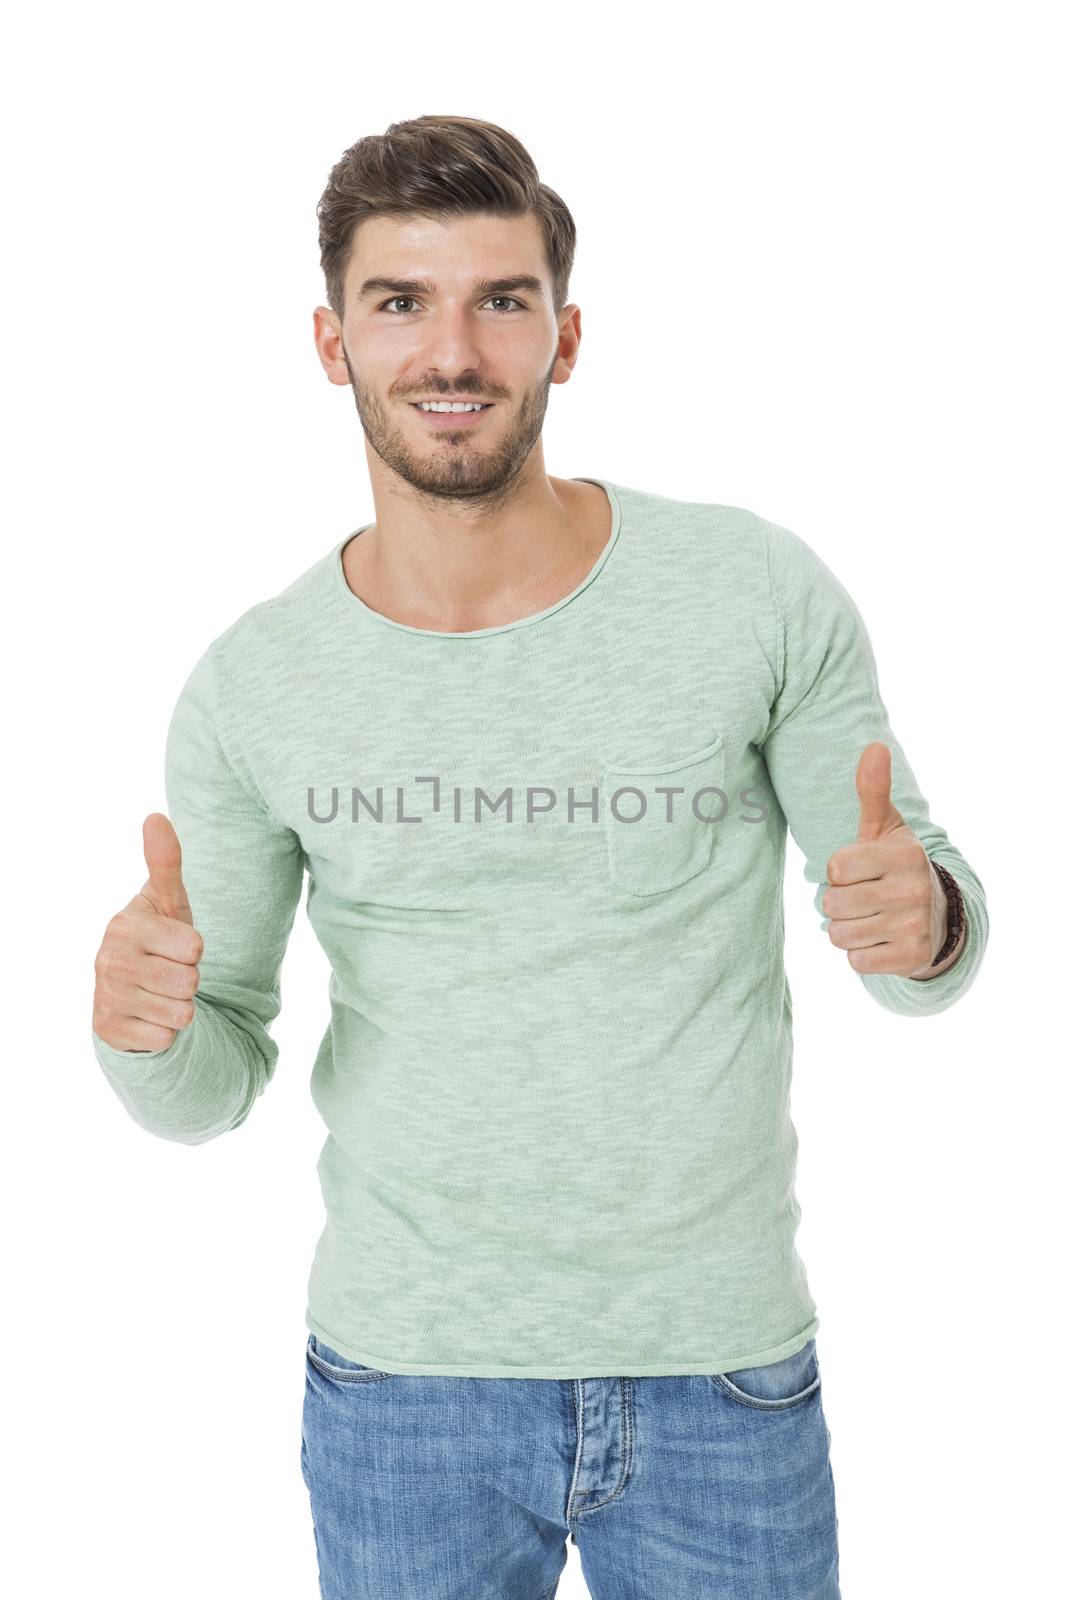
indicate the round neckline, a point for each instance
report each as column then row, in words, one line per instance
column 353, row 599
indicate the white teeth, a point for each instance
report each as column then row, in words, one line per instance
column 445, row 405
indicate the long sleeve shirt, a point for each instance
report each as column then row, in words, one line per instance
column 545, row 861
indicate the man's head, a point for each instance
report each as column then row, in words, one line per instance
column 447, row 266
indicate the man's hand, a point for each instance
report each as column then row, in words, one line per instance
column 885, row 900
column 146, row 967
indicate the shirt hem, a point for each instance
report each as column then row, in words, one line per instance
column 591, row 1366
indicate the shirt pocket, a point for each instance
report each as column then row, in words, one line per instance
column 668, row 839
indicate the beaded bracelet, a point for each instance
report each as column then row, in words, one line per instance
column 955, row 913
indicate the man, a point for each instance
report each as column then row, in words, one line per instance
column 537, row 743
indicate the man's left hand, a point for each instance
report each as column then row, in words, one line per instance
column 885, row 901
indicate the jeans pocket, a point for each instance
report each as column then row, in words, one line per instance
column 775, row 1386
column 660, row 819
column 331, row 1364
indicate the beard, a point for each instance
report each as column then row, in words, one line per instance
column 455, row 467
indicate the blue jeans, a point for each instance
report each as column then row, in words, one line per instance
column 699, row 1486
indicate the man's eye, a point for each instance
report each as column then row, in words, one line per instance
column 410, row 299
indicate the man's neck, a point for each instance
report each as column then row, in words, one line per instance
column 458, row 581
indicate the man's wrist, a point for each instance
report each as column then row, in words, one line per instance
column 951, row 923
column 935, row 972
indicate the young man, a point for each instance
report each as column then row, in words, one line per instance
column 537, row 743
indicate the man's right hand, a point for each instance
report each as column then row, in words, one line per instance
column 146, row 967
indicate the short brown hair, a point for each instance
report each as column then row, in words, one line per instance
column 438, row 166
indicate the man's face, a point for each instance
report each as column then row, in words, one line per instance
column 452, row 338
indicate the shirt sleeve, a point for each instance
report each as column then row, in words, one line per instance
column 827, row 709
column 243, row 870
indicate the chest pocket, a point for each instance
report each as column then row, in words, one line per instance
column 658, row 840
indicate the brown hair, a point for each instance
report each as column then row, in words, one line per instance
column 438, row 166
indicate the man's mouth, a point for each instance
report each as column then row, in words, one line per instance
column 453, row 419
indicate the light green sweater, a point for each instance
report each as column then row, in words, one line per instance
column 556, row 1076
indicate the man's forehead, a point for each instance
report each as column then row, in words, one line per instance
column 415, row 249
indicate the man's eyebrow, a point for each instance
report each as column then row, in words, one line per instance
column 484, row 286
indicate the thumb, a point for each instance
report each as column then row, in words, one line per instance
column 163, row 855
column 878, row 814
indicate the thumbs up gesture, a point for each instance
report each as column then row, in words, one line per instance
column 885, row 901
column 147, row 966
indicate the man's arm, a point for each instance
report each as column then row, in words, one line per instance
column 243, row 871
column 827, row 709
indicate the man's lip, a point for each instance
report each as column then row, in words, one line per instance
column 484, row 403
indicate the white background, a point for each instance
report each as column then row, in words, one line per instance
column 818, row 258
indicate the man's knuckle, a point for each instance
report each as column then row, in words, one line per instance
column 116, row 962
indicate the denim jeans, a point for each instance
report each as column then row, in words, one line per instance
column 438, row 1488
